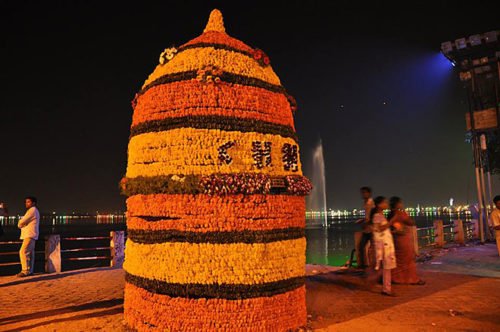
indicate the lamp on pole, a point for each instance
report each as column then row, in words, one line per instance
column 478, row 58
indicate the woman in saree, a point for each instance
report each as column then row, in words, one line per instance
column 406, row 270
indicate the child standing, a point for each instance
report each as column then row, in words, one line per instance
column 384, row 244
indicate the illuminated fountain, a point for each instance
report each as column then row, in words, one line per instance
column 317, row 199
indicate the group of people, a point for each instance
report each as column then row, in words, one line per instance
column 391, row 240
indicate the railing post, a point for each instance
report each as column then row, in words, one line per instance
column 117, row 248
column 438, row 233
column 52, row 253
column 414, row 234
column 475, row 230
column 458, row 225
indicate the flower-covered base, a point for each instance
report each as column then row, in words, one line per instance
column 147, row 311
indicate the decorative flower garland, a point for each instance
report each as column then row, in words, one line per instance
column 214, row 184
column 232, row 62
column 261, row 57
column 216, row 208
column 167, row 55
column 225, row 76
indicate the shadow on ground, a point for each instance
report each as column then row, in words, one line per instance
column 97, row 314
column 44, row 277
column 62, row 311
column 338, row 297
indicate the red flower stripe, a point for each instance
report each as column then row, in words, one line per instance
column 215, row 37
column 179, row 99
column 206, row 213
column 146, row 311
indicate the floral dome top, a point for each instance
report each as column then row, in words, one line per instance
column 215, row 48
column 213, row 106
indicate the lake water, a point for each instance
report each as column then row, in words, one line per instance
column 68, row 228
column 331, row 246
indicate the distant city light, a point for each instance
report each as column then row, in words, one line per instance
column 413, row 211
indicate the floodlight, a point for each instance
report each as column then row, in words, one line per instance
column 475, row 40
column 461, row 43
column 446, row 47
column 491, row 36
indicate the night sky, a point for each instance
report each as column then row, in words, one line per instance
column 369, row 81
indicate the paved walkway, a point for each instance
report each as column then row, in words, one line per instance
column 83, row 300
column 338, row 300
column 479, row 260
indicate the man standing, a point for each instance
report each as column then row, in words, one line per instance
column 29, row 234
column 495, row 220
column 368, row 205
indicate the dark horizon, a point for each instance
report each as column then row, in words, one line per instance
column 369, row 80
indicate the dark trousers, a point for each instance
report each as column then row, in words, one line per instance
column 365, row 238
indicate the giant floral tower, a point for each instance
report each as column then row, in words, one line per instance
column 216, row 206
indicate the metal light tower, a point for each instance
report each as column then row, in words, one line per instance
column 478, row 59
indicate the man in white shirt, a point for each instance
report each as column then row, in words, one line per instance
column 495, row 220
column 368, row 205
column 29, row 234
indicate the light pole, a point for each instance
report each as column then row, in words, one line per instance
column 478, row 58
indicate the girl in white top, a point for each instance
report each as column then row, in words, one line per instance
column 384, row 244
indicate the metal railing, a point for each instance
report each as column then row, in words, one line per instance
column 71, row 249
column 93, row 249
column 458, row 232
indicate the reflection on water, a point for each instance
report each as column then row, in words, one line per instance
column 333, row 245
column 330, row 246
column 72, row 225
column 69, row 219
column 67, row 227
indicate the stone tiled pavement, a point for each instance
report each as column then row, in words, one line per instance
column 84, row 300
column 350, row 303
column 344, row 301
column 92, row 299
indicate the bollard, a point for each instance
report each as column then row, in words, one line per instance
column 117, row 248
column 414, row 234
column 438, row 233
column 52, row 253
column 458, row 225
